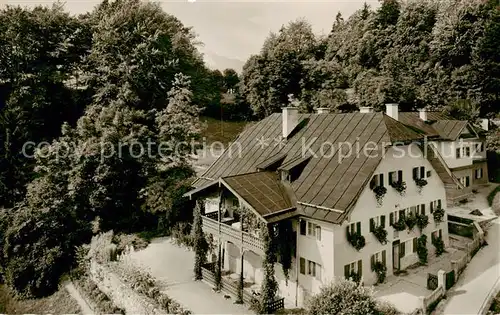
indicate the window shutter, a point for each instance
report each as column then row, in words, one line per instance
column 391, row 218
column 439, row 203
column 372, row 225
column 422, row 208
column 347, row 231
column 431, row 205
column 302, row 266
column 318, row 232
column 372, row 183
column 383, row 258
column 414, row 244
column 402, row 250
column 422, row 172
column 346, row 271
column 382, row 221
column 302, row 227
column 360, row 268
column 358, row 228
column 440, row 233
column 372, row 262
column 415, row 172
column 382, row 180
column 400, row 176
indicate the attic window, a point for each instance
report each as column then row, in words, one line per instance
column 294, row 168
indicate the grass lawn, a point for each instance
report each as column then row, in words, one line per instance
column 222, row 131
column 58, row 303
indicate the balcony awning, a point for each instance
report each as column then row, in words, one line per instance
column 262, row 192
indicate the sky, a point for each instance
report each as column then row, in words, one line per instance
column 233, row 30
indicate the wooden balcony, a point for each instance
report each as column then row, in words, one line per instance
column 235, row 236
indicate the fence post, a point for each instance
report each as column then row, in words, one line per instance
column 455, row 269
column 442, row 279
column 422, row 304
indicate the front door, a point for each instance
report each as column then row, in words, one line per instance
column 395, row 255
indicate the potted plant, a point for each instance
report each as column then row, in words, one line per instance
column 410, row 221
column 400, row 187
column 422, row 221
column 420, row 182
column 400, row 225
column 381, row 234
column 356, row 240
column 438, row 215
column 380, row 192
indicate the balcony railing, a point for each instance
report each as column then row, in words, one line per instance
column 235, row 236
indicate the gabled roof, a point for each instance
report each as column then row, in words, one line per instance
column 330, row 182
column 437, row 125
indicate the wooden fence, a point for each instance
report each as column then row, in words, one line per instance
column 230, row 287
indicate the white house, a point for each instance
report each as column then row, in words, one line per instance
column 322, row 174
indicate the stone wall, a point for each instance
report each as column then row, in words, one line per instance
column 122, row 295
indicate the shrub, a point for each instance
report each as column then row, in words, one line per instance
column 126, row 240
column 182, row 236
column 381, row 271
column 439, row 245
column 380, row 192
column 347, row 297
column 422, row 249
column 422, row 221
column 491, row 196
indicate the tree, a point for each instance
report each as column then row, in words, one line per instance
column 200, row 244
column 40, row 49
column 347, row 297
column 269, row 285
column 231, row 79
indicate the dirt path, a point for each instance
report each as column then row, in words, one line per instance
column 76, row 295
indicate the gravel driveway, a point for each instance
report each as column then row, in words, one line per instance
column 173, row 267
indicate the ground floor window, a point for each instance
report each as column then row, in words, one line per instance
column 312, row 268
column 378, row 257
column 355, row 267
column 479, row 173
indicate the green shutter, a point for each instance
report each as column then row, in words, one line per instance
column 372, row 262
column 415, row 172
column 391, row 219
column 358, row 228
column 360, row 268
column 431, row 206
column 382, row 180
column 382, row 219
column 346, row 271
column 383, row 258
column 372, row 225
column 422, row 208
column 400, row 176
column 415, row 245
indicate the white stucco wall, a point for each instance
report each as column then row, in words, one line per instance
column 367, row 207
column 447, row 149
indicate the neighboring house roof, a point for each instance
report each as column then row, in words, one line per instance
column 330, row 183
column 437, row 125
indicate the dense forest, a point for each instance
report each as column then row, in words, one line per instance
column 415, row 53
column 128, row 74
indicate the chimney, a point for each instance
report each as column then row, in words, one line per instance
column 392, row 110
column 323, row 110
column 485, row 124
column 366, row 110
column 423, row 114
column 290, row 117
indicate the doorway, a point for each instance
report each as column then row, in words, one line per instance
column 395, row 255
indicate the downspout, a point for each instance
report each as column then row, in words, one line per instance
column 297, row 262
